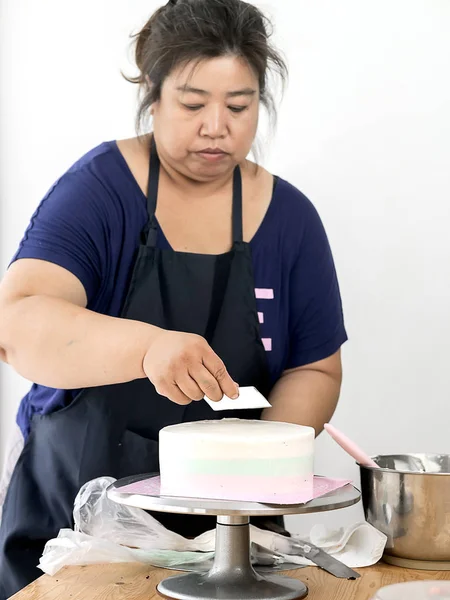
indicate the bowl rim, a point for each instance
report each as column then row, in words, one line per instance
column 402, row 471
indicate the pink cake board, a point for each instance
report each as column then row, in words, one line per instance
column 322, row 486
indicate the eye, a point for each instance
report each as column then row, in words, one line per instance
column 193, row 107
column 237, row 109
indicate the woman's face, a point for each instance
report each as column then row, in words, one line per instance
column 206, row 119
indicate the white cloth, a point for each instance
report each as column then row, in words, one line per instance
column 359, row 545
column 14, row 449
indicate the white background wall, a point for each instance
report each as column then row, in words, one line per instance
column 364, row 131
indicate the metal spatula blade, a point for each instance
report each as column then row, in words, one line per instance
column 323, row 560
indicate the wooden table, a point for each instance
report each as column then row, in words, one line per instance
column 138, row 582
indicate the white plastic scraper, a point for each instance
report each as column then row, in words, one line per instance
column 249, row 397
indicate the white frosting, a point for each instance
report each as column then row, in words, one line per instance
column 241, row 438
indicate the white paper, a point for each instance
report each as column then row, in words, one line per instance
column 249, row 397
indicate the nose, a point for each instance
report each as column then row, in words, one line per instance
column 215, row 121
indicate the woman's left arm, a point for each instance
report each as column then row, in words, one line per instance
column 307, row 395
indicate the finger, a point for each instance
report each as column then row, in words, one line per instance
column 218, row 370
column 206, row 382
column 189, row 387
column 173, row 393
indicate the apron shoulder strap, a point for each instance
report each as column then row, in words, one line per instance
column 238, row 235
column 152, row 194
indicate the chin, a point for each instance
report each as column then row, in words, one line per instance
column 203, row 175
column 208, row 171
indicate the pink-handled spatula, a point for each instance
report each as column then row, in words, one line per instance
column 350, row 447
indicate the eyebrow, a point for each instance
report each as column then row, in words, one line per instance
column 192, row 90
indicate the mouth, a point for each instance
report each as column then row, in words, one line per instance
column 212, row 154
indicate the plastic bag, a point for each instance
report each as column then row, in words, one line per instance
column 99, row 517
column 108, row 532
column 75, row 548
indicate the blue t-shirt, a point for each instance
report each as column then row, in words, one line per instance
column 90, row 223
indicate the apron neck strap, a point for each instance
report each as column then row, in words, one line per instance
column 152, row 194
column 152, row 198
column 237, row 206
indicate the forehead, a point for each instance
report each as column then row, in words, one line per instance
column 220, row 75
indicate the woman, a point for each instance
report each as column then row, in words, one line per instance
column 160, row 269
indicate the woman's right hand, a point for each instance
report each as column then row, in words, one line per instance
column 183, row 367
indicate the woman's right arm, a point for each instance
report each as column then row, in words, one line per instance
column 49, row 337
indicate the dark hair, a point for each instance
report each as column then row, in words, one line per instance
column 192, row 30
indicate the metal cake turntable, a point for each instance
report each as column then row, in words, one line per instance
column 232, row 576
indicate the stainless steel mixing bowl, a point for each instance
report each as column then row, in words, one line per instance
column 408, row 499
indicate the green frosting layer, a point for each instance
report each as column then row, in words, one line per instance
column 255, row 466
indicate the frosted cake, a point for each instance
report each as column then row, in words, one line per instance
column 234, row 459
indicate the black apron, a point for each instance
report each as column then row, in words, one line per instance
column 113, row 430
